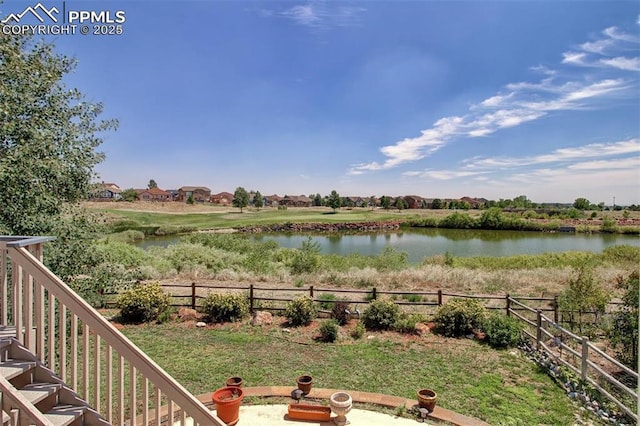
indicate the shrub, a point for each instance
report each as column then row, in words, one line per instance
column 624, row 333
column 306, row 259
column 300, row 311
column 584, row 295
column 380, row 315
column 225, row 307
column 502, row 331
column 406, row 323
column 327, row 300
column 339, row 312
column 142, row 303
column 358, row 331
column 329, row 331
column 459, row 317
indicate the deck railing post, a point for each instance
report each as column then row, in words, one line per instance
column 538, row 328
column 555, row 309
column 585, row 358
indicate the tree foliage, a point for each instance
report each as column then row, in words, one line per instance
column 257, row 200
column 581, row 204
column 334, row 201
column 385, row 202
column 240, row 198
column 129, row 194
column 152, row 184
column 624, row 330
column 48, row 137
column 583, row 295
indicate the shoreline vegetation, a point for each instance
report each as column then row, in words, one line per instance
column 224, row 258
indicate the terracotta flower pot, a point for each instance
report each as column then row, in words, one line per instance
column 308, row 412
column 228, row 400
column 234, row 382
column 427, row 399
column 305, row 383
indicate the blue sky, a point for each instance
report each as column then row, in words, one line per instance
column 439, row 99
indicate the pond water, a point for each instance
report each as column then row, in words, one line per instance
column 420, row 243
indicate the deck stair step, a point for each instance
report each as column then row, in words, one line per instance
column 64, row 415
column 39, row 389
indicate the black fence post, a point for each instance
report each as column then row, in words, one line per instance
column 374, row 294
column 193, row 295
column 251, row 298
column 508, row 304
column 311, row 291
column 439, row 297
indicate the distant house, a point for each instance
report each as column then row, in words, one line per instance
column 153, row 194
column 222, row 198
column 475, row 203
column 200, row 194
column 106, row 191
column 272, row 200
column 413, row 201
column 173, row 193
column 354, row 201
column 296, row 201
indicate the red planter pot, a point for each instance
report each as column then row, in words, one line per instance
column 227, row 401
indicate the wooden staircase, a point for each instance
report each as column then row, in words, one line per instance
column 33, row 395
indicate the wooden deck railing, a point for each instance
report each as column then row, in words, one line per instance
column 580, row 355
column 83, row 348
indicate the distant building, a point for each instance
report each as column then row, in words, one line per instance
column 222, row 198
column 106, row 191
column 153, row 194
column 200, row 194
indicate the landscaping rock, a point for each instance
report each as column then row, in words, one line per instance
column 201, row 324
column 422, row 329
column 262, row 318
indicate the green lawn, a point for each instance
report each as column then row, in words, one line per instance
column 225, row 219
column 500, row 387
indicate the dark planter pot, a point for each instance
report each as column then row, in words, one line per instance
column 427, row 399
column 234, row 382
column 305, row 383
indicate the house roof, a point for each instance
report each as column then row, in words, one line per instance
column 153, row 191
column 222, row 195
column 195, row 188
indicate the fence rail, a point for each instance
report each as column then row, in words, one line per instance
column 581, row 356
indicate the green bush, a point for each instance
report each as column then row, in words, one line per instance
column 300, row 311
column 358, row 331
column 380, row 315
column 225, row 307
column 327, row 300
column 502, row 331
column 306, row 259
column 406, row 323
column 624, row 333
column 142, row 303
column 459, row 317
column 339, row 312
column 329, row 331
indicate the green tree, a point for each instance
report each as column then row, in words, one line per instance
column 190, row 199
column 624, row 330
column 317, row 200
column 334, row 201
column 240, row 198
column 152, row 184
column 129, row 194
column 581, row 204
column 400, row 204
column 436, row 204
column 583, row 295
column 385, row 202
column 257, row 200
column 48, row 137
column 373, row 201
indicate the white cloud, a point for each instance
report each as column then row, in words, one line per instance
column 523, row 102
column 322, row 15
column 628, row 64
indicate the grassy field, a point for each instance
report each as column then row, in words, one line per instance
column 500, row 387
